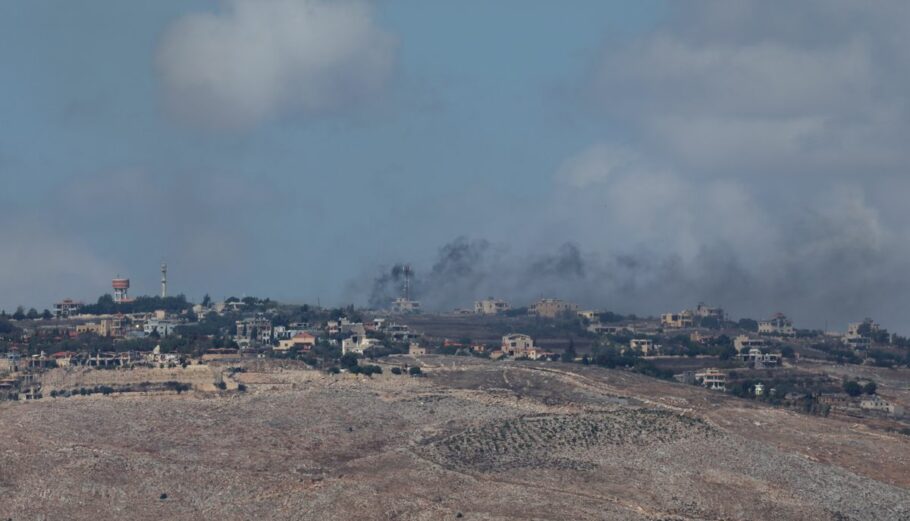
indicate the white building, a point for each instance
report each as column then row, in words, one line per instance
column 778, row 325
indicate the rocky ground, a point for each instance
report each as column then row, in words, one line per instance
column 471, row 440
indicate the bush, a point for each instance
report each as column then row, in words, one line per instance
column 220, row 385
column 241, row 388
column 852, row 388
column 396, row 370
column 415, row 371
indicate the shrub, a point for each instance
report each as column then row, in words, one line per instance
column 396, row 370
column 415, row 371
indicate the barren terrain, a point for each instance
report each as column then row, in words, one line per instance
column 472, row 440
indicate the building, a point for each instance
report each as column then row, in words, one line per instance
column 257, row 329
column 552, row 308
column 713, row 379
column 103, row 327
column 67, row 308
column 358, row 344
column 64, row 358
column 301, row 340
column 398, row 332
column 877, row 404
column 760, row 360
column 745, row 343
column 517, row 345
column 405, row 306
column 161, row 327
column 416, row 349
column 590, row 315
column 679, row 320
column 778, row 325
column 490, row 306
column 644, row 346
column 704, row 311
column 859, row 334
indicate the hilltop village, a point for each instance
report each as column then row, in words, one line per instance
column 770, row 360
column 503, row 410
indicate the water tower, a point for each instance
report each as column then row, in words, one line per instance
column 121, row 289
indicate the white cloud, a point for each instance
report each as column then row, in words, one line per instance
column 259, row 59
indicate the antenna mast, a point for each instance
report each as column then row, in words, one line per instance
column 163, row 280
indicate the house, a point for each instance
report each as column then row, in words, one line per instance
column 590, row 315
column 405, row 306
column 679, row 320
column 64, row 358
column 704, row 311
column 490, row 306
column 778, row 325
column 302, row 340
column 877, row 404
column 745, row 343
column 521, row 346
column 67, row 308
column 644, row 346
column 713, row 379
column 759, row 359
column 162, row 327
column 358, row 344
column 416, row 349
column 859, row 334
column 552, row 308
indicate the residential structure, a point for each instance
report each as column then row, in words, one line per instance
column 645, row 346
column 302, row 340
column 745, row 343
column 552, row 308
column 713, row 379
column 778, row 325
column 67, row 308
column 490, row 306
column 680, row 320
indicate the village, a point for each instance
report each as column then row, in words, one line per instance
column 768, row 360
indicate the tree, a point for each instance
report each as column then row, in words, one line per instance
column 206, row 301
column 32, row 314
column 870, row 388
column 569, row 354
column 19, row 314
column 348, row 360
column 748, row 324
column 46, row 314
column 852, row 388
column 415, row 371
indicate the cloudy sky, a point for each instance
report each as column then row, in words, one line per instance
column 636, row 156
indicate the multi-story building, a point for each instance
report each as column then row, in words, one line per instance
column 517, row 345
column 405, row 306
column 680, row 320
column 490, row 306
column 645, row 346
column 705, row 311
column 778, row 325
column 745, row 343
column 67, row 308
column 552, row 308
column 713, row 379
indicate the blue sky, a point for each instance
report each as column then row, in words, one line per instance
column 297, row 149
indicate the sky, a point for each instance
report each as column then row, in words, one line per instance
column 633, row 156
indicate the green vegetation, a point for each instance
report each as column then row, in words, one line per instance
column 143, row 304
